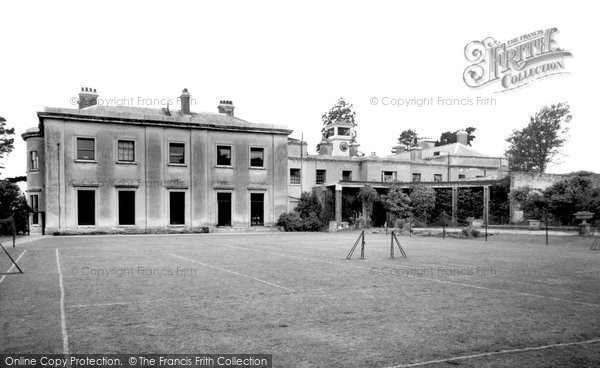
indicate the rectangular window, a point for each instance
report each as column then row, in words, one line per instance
column 343, row 131
column 126, row 207
column 388, row 176
column 86, row 207
column 436, row 153
column 224, row 155
column 33, row 160
column 177, row 208
column 86, row 149
column 346, row 175
column 330, row 132
column 321, row 176
column 437, row 177
column 176, row 153
column 34, row 200
column 224, row 209
column 461, row 176
column 416, row 177
column 126, row 151
column 294, row 176
column 257, row 209
column 257, row 157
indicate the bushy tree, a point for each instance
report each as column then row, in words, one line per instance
column 396, row 202
column 449, row 137
column 422, row 200
column 6, row 139
column 469, row 203
column 307, row 216
column 571, row 195
column 532, row 148
column 499, row 211
column 13, row 203
column 443, row 203
column 409, row 138
column 341, row 111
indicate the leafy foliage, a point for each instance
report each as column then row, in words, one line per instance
column 397, row 202
column 422, row 200
column 499, row 212
column 535, row 146
column 13, row 203
column 368, row 196
column 449, row 137
column 341, row 111
column 469, row 204
column 7, row 140
column 307, row 216
column 409, row 138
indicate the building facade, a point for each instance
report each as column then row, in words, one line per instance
column 124, row 169
column 129, row 169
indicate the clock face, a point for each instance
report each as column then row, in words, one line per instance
column 343, row 146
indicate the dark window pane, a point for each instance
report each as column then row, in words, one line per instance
column 85, row 149
column 294, row 176
column 224, row 209
column 257, row 209
column 343, row 131
column 321, row 176
column 224, row 155
column 346, row 175
column 35, row 207
column 126, row 207
column 126, row 151
column 33, row 157
column 257, row 157
column 86, row 207
column 177, row 208
column 176, row 153
column 416, row 177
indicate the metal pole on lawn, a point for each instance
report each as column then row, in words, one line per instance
column 546, row 220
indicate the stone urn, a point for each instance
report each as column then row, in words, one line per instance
column 584, row 227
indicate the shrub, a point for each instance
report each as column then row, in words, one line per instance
column 290, row 221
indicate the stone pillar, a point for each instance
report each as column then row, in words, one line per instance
column 486, row 204
column 338, row 204
column 454, row 204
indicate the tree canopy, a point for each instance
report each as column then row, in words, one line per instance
column 341, row 111
column 449, row 137
column 7, row 140
column 532, row 148
column 409, row 138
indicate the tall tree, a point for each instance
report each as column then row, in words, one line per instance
column 532, row 148
column 449, row 137
column 409, row 138
column 422, row 200
column 7, row 140
column 341, row 111
column 397, row 202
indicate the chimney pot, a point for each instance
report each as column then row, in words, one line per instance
column 185, row 102
column 226, row 107
column 87, row 97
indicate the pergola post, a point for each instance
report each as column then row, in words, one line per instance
column 486, row 204
column 338, row 204
column 454, row 204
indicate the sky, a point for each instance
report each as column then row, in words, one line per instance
column 288, row 62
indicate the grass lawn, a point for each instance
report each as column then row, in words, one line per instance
column 452, row 301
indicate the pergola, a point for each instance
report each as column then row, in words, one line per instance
column 338, row 186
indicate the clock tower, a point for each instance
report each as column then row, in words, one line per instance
column 339, row 139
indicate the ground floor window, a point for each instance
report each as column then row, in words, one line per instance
column 86, row 207
column 177, row 208
column 224, row 209
column 257, row 209
column 126, row 207
column 34, row 199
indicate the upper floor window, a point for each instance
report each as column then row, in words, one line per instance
column 126, row 151
column 257, row 157
column 224, row 155
column 294, row 176
column 461, row 176
column 33, row 160
column 343, row 131
column 437, row 177
column 177, row 153
column 86, row 149
column 321, row 176
column 416, row 177
column 388, row 176
column 346, row 175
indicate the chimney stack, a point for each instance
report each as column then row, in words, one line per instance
column 462, row 137
column 87, row 97
column 185, row 102
column 226, row 107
